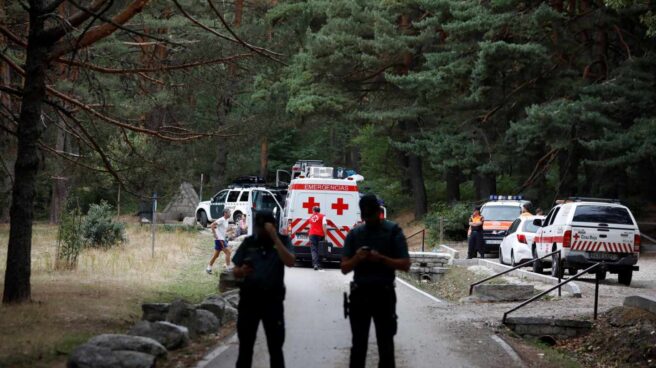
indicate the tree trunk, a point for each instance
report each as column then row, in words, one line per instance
column 17, row 275
column 59, row 182
column 264, row 157
column 452, row 184
column 486, row 185
column 418, row 188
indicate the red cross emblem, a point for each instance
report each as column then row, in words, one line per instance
column 310, row 204
column 340, row 206
column 576, row 236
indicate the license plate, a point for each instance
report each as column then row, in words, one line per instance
column 493, row 241
column 603, row 256
column 301, row 236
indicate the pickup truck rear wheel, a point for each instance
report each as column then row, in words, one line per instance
column 556, row 266
column 202, row 218
column 624, row 277
column 538, row 267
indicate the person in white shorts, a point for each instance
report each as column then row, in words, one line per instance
column 219, row 228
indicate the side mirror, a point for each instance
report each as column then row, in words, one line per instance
column 537, row 222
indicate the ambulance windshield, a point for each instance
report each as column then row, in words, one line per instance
column 500, row 213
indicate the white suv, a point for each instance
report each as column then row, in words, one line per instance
column 587, row 231
column 241, row 201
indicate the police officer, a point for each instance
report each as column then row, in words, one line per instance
column 476, row 243
column 374, row 251
column 260, row 261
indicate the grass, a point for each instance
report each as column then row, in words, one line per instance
column 103, row 294
column 554, row 357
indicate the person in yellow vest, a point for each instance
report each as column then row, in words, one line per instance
column 476, row 243
column 525, row 211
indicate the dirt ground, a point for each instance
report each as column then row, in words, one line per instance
column 102, row 295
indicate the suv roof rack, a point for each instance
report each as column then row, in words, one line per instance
column 590, row 199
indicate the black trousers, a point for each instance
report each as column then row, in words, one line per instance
column 268, row 309
column 379, row 304
column 476, row 244
column 314, row 249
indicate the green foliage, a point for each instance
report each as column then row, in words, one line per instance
column 99, row 228
column 69, row 240
column 453, row 218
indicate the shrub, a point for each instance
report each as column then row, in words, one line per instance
column 99, row 229
column 455, row 219
column 69, row 239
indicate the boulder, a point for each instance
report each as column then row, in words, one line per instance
column 230, row 314
column 206, row 322
column 154, row 311
column 140, row 344
column 189, row 221
column 644, row 302
column 171, row 336
column 214, row 304
column 228, row 282
column 93, row 356
column 232, row 299
column 184, row 314
column 503, row 292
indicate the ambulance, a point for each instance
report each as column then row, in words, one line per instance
column 499, row 213
column 338, row 200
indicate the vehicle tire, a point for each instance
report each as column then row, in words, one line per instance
column 512, row 259
column 624, row 277
column 572, row 271
column 202, row 218
column 236, row 216
column 556, row 266
column 501, row 257
column 538, row 267
column 601, row 275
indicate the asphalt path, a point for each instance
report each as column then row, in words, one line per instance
column 319, row 336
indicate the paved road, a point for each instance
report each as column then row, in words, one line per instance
column 318, row 335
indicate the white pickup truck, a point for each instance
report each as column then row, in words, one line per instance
column 241, row 201
column 587, row 231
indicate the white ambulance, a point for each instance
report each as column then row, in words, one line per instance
column 338, row 200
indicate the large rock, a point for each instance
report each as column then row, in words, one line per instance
column 228, row 281
column 503, row 292
column 206, row 322
column 230, row 314
column 93, row 356
column 189, row 221
column 199, row 322
column 232, row 299
column 170, row 335
column 214, row 304
column 140, row 344
column 154, row 311
column 647, row 303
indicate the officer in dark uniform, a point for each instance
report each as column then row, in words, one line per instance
column 374, row 251
column 261, row 261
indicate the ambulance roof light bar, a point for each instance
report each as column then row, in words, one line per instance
column 495, row 197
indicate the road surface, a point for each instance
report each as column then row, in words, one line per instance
column 319, row 336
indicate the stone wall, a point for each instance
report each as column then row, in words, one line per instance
column 428, row 266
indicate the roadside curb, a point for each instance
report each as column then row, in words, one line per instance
column 216, row 352
column 452, row 252
column 570, row 287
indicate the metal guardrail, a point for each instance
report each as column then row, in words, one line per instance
column 529, row 301
column 423, row 237
column 471, row 287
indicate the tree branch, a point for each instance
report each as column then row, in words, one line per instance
column 163, row 68
column 99, row 32
column 56, row 32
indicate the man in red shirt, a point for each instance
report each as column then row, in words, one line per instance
column 317, row 234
